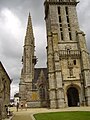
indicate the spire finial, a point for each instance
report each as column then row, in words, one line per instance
column 29, row 14
column 29, row 19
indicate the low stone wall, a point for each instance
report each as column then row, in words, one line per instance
column 33, row 104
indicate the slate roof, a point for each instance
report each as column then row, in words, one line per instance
column 37, row 72
column 5, row 71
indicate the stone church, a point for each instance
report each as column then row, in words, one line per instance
column 66, row 80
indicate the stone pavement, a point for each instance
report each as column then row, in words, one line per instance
column 28, row 114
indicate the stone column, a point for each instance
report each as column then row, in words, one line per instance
column 58, row 77
column 51, row 76
column 85, row 65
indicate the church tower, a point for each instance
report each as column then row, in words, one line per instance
column 28, row 61
column 67, row 56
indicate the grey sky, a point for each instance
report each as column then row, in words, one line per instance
column 13, row 22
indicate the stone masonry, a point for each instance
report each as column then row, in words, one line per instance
column 66, row 80
column 27, row 73
column 5, row 82
column 67, row 56
column 32, row 87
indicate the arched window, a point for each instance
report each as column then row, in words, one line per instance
column 42, row 92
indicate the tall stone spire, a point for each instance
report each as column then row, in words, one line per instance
column 28, row 54
column 28, row 61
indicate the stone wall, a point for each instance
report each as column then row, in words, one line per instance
column 4, row 90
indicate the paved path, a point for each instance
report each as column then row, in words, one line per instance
column 27, row 114
column 22, row 116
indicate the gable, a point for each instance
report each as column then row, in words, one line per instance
column 3, row 72
column 38, row 74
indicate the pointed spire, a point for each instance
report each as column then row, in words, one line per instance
column 29, row 20
column 29, row 47
column 29, row 38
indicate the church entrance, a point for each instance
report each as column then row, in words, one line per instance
column 73, row 97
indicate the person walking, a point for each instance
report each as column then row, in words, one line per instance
column 26, row 105
column 21, row 105
column 17, row 106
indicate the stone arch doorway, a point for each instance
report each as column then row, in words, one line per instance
column 73, row 97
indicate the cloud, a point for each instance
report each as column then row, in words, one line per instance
column 11, row 43
column 83, row 11
column 14, row 89
column 11, row 31
column 11, row 22
column 40, row 42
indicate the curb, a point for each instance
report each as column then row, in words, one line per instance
column 32, row 116
column 10, row 118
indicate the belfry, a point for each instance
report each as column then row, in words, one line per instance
column 66, row 80
column 68, row 60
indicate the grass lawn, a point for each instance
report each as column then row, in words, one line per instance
column 78, row 115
